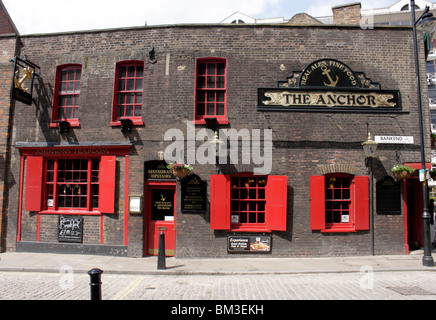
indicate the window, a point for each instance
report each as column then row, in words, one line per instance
column 59, row 185
column 67, row 95
column 248, row 203
column 128, row 91
column 339, row 203
column 211, row 90
column 72, row 184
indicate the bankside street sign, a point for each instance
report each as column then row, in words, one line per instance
column 394, row 139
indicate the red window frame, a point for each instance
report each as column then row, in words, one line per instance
column 339, row 203
column 40, row 177
column 211, row 90
column 223, row 204
column 128, row 92
column 66, row 106
column 71, row 181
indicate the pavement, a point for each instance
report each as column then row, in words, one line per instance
column 54, row 263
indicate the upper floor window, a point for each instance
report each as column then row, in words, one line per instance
column 67, row 95
column 211, row 90
column 127, row 103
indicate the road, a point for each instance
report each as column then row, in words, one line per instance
column 366, row 285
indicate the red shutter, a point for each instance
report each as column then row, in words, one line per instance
column 106, row 199
column 317, row 203
column 34, row 179
column 276, row 202
column 361, row 202
column 220, row 202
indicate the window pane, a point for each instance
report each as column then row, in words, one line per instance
column 138, row 85
column 131, row 71
column 211, row 68
column 129, row 111
column 210, row 109
column 210, row 82
column 139, row 72
column 121, row 85
column 130, row 85
column 200, row 109
column 138, row 110
column 219, row 109
column 201, row 96
column 63, row 75
column 78, row 74
column 221, row 67
column 138, row 98
column 130, row 98
column 202, row 68
column 201, row 82
column 220, row 82
column 71, row 75
column 122, row 72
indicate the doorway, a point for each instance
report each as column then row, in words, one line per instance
column 414, row 214
column 160, row 217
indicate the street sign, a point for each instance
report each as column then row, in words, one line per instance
column 394, row 139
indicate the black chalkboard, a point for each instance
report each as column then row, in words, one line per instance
column 388, row 196
column 70, row 229
column 193, row 194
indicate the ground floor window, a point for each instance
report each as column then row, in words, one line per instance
column 72, row 183
column 248, row 203
column 339, row 203
column 64, row 185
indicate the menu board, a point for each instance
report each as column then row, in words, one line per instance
column 70, row 229
column 193, row 194
column 249, row 244
column 388, row 196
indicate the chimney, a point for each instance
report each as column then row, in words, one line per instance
column 348, row 14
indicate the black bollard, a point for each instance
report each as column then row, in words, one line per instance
column 161, row 265
column 95, row 283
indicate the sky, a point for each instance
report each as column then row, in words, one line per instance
column 46, row 16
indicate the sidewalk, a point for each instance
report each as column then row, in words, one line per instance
column 41, row 262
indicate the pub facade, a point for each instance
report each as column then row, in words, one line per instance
column 271, row 118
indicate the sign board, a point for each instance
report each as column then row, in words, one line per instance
column 157, row 170
column 388, row 196
column 394, row 139
column 70, row 229
column 22, row 83
column 193, row 194
column 328, row 85
column 249, row 244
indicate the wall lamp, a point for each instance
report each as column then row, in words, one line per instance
column 126, row 125
column 64, row 127
column 152, row 55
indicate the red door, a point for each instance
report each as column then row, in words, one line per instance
column 160, row 217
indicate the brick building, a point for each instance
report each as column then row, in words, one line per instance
column 8, row 43
column 290, row 104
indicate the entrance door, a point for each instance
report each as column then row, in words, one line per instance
column 414, row 214
column 160, row 217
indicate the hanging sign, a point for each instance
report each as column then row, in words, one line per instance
column 22, row 83
column 328, row 85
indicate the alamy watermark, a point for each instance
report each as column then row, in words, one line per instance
column 202, row 147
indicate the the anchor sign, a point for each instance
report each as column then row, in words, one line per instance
column 326, row 72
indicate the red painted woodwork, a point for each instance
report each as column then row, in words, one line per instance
column 34, row 177
column 220, row 202
column 107, row 184
column 276, row 202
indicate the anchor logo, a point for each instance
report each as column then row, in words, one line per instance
column 326, row 72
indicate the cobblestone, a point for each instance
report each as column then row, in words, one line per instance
column 419, row 285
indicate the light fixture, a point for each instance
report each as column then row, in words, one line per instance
column 64, row 127
column 369, row 147
column 427, row 22
column 126, row 125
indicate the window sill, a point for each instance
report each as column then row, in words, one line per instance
column 248, row 229
column 203, row 121
column 72, row 123
column 339, row 229
column 71, row 212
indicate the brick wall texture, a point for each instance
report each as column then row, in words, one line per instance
column 258, row 56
